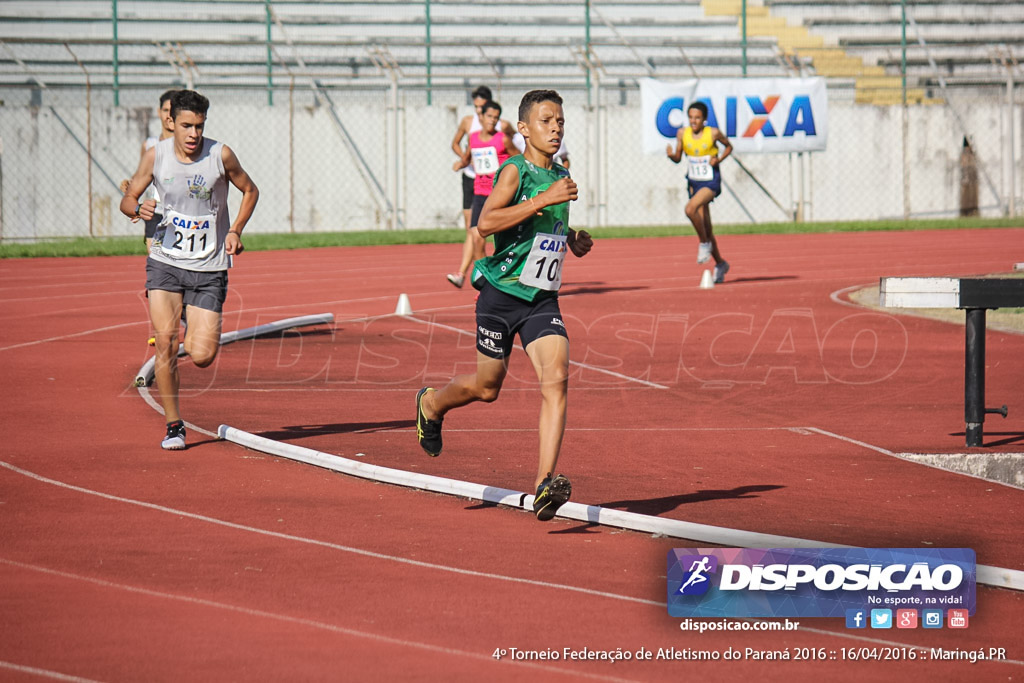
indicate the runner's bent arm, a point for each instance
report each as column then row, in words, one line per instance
column 720, row 137
column 580, row 242
column 130, row 204
column 250, row 195
column 464, row 154
column 460, row 133
column 676, row 155
column 125, row 183
column 498, row 215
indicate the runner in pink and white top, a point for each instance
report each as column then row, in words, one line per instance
column 488, row 149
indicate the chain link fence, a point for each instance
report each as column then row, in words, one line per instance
column 379, row 158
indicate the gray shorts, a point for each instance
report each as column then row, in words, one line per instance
column 197, row 288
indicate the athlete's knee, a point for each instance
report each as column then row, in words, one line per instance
column 201, row 354
column 554, row 378
column 488, row 393
column 165, row 342
column 692, row 210
column 555, row 383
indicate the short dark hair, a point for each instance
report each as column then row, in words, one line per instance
column 188, row 100
column 166, row 96
column 535, row 97
column 699, row 106
column 482, row 92
column 490, row 104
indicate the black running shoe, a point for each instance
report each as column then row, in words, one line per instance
column 428, row 432
column 175, row 439
column 551, row 495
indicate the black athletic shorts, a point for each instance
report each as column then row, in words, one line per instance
column 467, row 192
column 478, row 206
column 197, row 288
column 500, row 317
column 152, row 224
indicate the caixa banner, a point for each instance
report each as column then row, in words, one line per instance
column 817, row 582
column 756, row 114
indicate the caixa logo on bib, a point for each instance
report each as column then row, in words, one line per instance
column 816, row 582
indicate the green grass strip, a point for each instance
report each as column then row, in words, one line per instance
column 126, row 246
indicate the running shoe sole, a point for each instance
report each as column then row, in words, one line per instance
column 551, row 497
column 175, row 442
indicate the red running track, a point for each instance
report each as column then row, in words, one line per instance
column 773, row 410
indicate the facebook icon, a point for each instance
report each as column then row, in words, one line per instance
column 856, row 618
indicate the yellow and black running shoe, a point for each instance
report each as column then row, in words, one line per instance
column 551, row 495
column 428, row 432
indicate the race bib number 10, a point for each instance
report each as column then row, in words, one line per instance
column 700, row 168
column 190, row 237
column 543, row 268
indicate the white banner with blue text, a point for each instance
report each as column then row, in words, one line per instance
column 758, row 115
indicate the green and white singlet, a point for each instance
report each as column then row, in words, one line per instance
column 527, row 259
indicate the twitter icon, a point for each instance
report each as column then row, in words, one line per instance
column 881, row 618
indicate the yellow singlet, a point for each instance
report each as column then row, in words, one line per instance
column 702, row 145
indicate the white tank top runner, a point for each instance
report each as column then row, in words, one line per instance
column 151, row 192
column 196, row 219
column 473, row 127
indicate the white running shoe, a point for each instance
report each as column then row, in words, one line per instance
column 720, row 270
column 175, row 439
column 456, row 279
column 703, row 252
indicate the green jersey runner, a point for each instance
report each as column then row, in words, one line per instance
column 527, row 259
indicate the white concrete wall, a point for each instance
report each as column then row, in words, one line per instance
column 299, row 153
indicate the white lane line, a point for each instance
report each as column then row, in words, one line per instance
column 402, row 560
column 148, row 398
column 73, row 335
column 591, row 514
column 248, row 611
column 572, row 362
column 327, row 544
column 909, row 457
column 44, row 673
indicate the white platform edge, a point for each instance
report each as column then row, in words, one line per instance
column 919, row 292
column 145, row 374
column 733, row 538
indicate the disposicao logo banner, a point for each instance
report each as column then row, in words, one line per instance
column 817, row 582
column 756, row 114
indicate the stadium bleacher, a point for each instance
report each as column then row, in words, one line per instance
column 972, row 42
column 853, row 42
